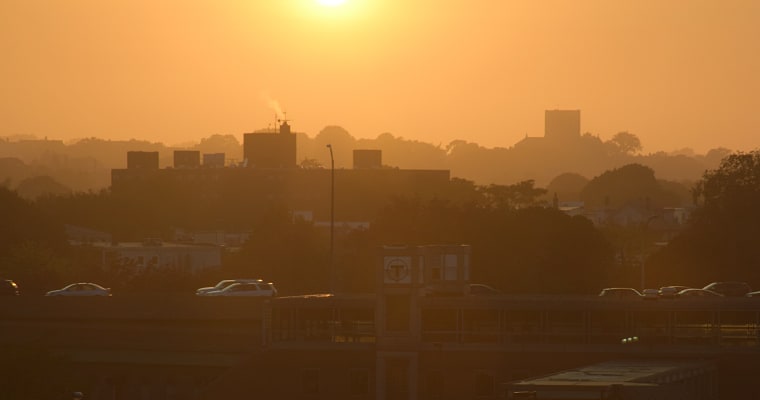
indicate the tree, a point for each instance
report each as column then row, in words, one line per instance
column 732, row 188
column 227, row 144
column 626, row 143
column 567, row 186
column 530, row 250
column 629, row 184
column 310, row 163
column 721, row 242
column 32, row 244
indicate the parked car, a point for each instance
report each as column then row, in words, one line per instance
column 730, row 289
column 81, row 289
column 650, row 294
column 223, row 284
column 620, row 293
column 755, row 294
column 9, row 288
column 670, row 292
column 246, row 289
column 699, row 293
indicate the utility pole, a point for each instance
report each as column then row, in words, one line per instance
column 332, row 219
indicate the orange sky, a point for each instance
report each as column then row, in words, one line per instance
column 677, row 73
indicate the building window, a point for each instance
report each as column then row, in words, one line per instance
column 310, row 381
column 396, row 375
column 359, row 382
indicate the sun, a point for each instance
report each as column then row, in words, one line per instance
column 331, row 3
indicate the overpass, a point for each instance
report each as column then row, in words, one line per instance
column 139, row 346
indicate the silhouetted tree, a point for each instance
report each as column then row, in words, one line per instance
column 567, row 186
column 32, row 188
column 32, row 243
column 626, row 143
column 310, row 163
column 227, row 144
column 721, row 242
column 530, row 250
column 631, row 184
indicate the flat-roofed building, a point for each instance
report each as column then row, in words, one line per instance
column 625, row 379
column 142, row 160
column 270, row 149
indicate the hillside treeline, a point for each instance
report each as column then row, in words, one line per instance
column 35, row 167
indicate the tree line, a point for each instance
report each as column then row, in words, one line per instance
column 521, row 243
column 38, row 167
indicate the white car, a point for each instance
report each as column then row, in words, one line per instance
column 223, row 284
column 250, row 289
column 81, row 289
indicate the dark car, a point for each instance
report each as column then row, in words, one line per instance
column 698, row 294
column 670, row 292
column 9, row 288
column 729, row 289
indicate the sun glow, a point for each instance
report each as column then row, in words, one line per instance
column 331, row 3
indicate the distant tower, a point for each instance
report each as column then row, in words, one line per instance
column 562, row 124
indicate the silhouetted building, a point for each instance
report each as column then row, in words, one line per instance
column 142, row 160
column 272, row 177
column 187, row 159
column 269, row 149
column 214, row 160
column 562, row 124
column 366, row 159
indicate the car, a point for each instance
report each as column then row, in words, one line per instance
column 698, row 293
column 223, row 284
column 730, row 289
column 650, row 294
column 81, row 289
column 479, row 289
column 620, row 293
column 9, row 288
column 755, row 294
column 246, row 289
column 670, row 292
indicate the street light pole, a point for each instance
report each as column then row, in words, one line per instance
column 332, row 216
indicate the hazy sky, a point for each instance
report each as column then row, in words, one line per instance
column 677, row 73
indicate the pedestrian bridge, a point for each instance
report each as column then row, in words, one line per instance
column 521, row 323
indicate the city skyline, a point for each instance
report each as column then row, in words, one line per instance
column 676, row 74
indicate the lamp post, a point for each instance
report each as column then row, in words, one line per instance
column 332, row 214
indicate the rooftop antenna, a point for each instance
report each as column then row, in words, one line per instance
column 284, row 117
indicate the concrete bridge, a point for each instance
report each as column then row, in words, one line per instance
column 183, row 346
